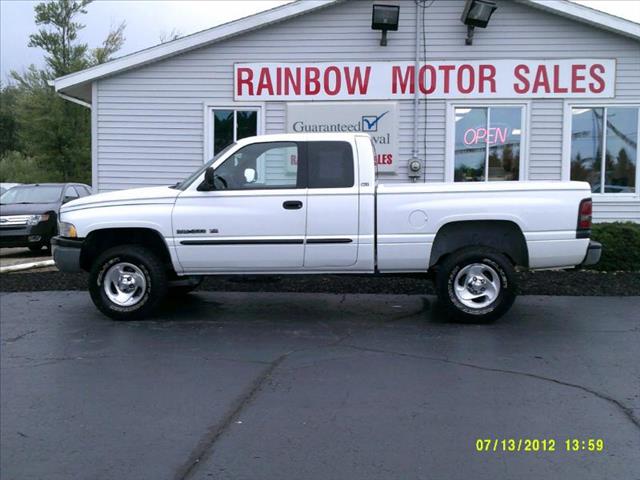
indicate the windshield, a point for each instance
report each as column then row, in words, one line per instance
column 35, row 194
column 189, row 180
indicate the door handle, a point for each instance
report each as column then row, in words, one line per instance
column 292, row 205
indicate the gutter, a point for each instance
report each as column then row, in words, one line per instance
column 52, row 83
column 75, row 100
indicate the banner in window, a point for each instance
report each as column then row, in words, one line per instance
column 378, row 120
column 565, row 78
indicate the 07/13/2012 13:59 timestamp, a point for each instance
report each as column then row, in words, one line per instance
column 539, row 445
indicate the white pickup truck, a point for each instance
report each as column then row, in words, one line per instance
column 310, row 204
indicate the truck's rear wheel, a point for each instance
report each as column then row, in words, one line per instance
column 127, row 282
column 476, row 285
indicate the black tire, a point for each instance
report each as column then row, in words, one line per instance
column 155, row 275
column 35, row 248
column 182, row 290
column 457, row 261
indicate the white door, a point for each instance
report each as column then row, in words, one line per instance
column 254, row 220
column 332, row 205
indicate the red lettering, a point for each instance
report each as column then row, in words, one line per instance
column 312, row 84
column 577, row 77
column 470, row 140
column 264, row 82
column 401, row 83
column 501, row 135
column 594, row 71
column 337, row 80
column 523, row 85
column 244, row 76
column 487, row 74
column 356, row 81
column 471, row 80
column 541, row 80
column 384, row 159
column 447, row 69
column 432, row 82
column 556, row 81
column 292, row 83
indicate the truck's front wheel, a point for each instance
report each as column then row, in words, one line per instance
column 127, row 282
column 476, row 285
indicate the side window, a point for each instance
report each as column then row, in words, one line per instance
column 330, row 165
column 231, row 125
column 260, row 166
column 82, row 190
column 70, row 193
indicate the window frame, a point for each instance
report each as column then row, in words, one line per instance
column 209, row 134
column 567, row 126
column 450, row 133
column 73, row 188
column 301, row 170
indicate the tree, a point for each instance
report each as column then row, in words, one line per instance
column 171, row 36
column 8, row 122
column 111, row 44
column 58, row 33
column 55, row 134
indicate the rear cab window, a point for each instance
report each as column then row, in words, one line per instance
column 330, row 164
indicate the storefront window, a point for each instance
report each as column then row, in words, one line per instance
column 604, row 148
column 232, row 125
column 487, row 143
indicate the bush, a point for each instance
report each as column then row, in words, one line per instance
column 17, row 167
column 620, row 246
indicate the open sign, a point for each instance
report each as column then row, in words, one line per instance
column 492, row 135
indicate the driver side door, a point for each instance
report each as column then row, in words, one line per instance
column 254, row 220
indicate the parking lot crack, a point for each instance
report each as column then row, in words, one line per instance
column 628, row 412
column 203, row 449
column 19, row 337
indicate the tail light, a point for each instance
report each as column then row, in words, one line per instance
column 584, row 219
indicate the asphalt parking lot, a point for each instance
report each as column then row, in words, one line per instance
column 316, row 386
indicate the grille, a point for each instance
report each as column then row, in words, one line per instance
column 13, row 220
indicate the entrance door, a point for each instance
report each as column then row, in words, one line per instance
column 333, row 205
column 254, row 220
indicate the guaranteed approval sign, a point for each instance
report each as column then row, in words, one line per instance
column 566, row 78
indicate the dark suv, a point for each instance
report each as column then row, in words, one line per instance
column 29, row 213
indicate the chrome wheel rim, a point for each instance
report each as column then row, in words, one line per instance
column 477, row 285
column 124, row 284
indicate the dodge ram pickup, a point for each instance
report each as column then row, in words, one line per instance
column 311, row 204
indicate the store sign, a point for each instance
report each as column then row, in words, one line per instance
column 376, row 119
column 565, row 78
column 492, row 136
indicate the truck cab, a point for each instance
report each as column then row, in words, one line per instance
column 280, row 204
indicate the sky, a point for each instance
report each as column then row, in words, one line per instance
column 147, row 20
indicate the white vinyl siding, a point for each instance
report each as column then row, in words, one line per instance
column 151, row 123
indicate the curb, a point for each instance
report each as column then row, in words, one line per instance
column 27, row 266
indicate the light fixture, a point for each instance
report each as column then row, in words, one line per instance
column 385, row 18
column 477, row 13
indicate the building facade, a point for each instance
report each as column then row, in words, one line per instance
column 548, row 91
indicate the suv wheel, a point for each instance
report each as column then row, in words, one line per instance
column 476, row 285
column 127, row 282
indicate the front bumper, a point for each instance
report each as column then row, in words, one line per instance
column 27, row 235
column 594, row 251
column 66, row 253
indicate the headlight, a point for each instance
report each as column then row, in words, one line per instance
column 36, row 219
column 67, row 230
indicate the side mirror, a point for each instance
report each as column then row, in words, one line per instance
column 249, row 175
column 208, row 182
column 68, row 199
